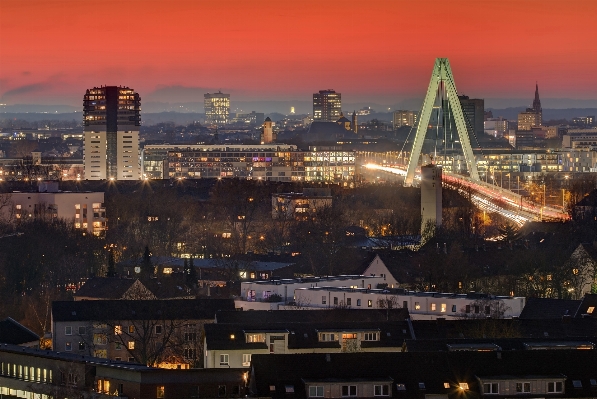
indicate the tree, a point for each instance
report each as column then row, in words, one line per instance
column 111, row 265
column 192, row 275
column 146, row 265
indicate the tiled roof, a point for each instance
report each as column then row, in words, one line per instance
column 105, row 287
column 547, row 308
column 311, row 316
column 174, row 309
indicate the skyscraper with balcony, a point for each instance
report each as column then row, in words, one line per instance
column 327, row 106
column 111, row 120
column 217, row 108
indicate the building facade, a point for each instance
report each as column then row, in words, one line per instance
column 217, row 108
column 404, row 118
column 533, row 116
column 327, row 106
column 111, row 120
column 273, row 162
column 298, row 206
column 474, row 111
column 85, row 211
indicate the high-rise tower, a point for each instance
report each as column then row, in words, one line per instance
column 532, row 116
column 327, row 106
column 217, row 108
column 111, row 120
column 536, row 102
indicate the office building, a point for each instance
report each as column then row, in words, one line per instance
column 272, row 162
column 327, row 106
column 404, row 118
column 474, row 111
column 111, row 122
column 532, row 117
column 217, row 108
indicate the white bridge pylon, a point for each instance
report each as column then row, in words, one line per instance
column 441, row 79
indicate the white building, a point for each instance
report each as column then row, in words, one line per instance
column 85, row 210
column 256, row 294
column 420, row 305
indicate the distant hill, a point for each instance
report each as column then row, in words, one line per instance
column 548, row 113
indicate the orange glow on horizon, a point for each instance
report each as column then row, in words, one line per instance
column 266, row 49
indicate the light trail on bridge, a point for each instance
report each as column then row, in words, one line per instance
column 490, row 198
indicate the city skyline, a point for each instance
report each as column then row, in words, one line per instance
column 178, row 49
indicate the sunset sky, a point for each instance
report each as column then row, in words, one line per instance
column 374, row 50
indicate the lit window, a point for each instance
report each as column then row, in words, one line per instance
column 446, row 385
column 463, row 386
column 433, row 306
column 131, row 345
column 117, row 330
column 255, row 338
column 369, row 303
column 443, row 307
column 160, row 392
column 131, row 329
column 68, row 346
column 591, row 309
column 417, row 306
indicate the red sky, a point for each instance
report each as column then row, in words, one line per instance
column 51, row 51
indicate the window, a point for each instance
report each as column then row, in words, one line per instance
column 131, row 345
column 417, row 306
column 316, row 391
column 433, row 307
column 590, row 309
column 68, row 346
column 446, row 385
column 348, row 302
column 421, row 385
column 349, row 390
column 487, row 310
column 400, row 387
column 443, row 307
column 468, row 309
column 160, row 391
column 328, row 337
column 68, row 330
column 454, row 308
column 463, row 386
column 255, row 338
column 522, row 387
column 223, row 360
column 370, row 303
column 131, row 329
column 190, row 353
column 131, row 360
column 82, row 330
column 349, row 336
column 246, row 359
column 190, row 337
column 221, row 390
column 576, row 384
column 593, row 382
column 381, row 390
column 158, row 329
column 335, row 300
column 289, row 388
column 553, row 387
column 492, row 387
column 323, row 300
column 358, row 302
column 371, row 336
column 117, row 330
column 81, row 346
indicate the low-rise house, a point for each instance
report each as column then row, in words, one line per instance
column 417, row 375
column 235, row 338
column 299, row 206
column 165, row 333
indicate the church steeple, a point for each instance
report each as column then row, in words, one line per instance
column 536, row 101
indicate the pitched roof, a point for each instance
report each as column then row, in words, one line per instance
column 105, row 287
column 588, row 306
column 174, row 309
column 547, row 308
column 12, row 332
column 310, row 316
